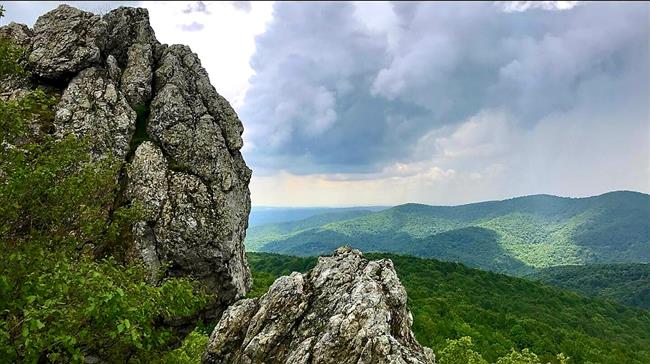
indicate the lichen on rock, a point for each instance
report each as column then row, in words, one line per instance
column 92, row 107
column 346, row 310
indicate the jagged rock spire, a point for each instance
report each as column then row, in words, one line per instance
column 346, row 310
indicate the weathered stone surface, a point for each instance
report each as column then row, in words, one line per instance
column 66, row 40
column 128, row 26
column 138, row 75
column 92, row 107
column 180, row 68
column 132, row 42
column 183, row 225
column 202, row 228
column 346, row 310
column 20, row 34
column 114, row 70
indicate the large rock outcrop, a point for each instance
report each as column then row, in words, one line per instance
column 346, row 310
column 153, row 108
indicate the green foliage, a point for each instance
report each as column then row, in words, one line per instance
column 257, row 236
column 519, row 357
column 499, row 313
column 628, row 284
column 62, row 296
column 514, row 236
column 190, row 351
column 60, row 308
column 460, row 352
column 10, row 56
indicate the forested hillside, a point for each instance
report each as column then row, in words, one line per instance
column 513, row 236
column 451, row 301
column 628, row 284
column 260, row 234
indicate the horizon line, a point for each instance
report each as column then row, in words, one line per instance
column 428, row 204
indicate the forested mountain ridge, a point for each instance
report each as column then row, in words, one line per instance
column 628, row 284
column 514, row 236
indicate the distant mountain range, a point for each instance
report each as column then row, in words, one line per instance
column 261, row 215
column 515, row 236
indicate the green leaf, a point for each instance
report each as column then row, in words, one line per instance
column 39, row 325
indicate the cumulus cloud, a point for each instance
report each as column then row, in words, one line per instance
column 244, row 6
column 222, row 36
column 356, row 89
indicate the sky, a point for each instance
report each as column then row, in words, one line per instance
column 378, row 103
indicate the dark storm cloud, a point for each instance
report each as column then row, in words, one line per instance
column 338, row 90
column 315, row 67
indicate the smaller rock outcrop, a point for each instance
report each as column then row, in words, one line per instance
column 346, row 310
column 67, row 41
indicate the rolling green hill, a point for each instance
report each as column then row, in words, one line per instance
column 260, row 234
column 628, row 284
column 450, row 300
column 514, row 236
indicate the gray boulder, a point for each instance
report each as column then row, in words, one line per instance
column 346, row 310
column 66, row 40
column 20, row 34
column 187, row 122
column 185, row 224
column 126, row 27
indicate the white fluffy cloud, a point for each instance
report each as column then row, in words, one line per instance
column 221, row 33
